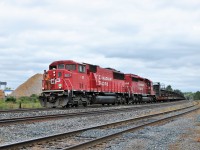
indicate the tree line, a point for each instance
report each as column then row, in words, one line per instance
column 194, row 96
column 187, row 95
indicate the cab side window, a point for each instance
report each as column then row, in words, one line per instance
column 71, row 67
column 81, row 68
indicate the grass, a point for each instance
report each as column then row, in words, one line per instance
column 15, row 105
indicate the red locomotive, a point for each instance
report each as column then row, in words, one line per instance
column 68, row 83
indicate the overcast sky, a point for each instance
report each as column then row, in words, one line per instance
column 156, row 39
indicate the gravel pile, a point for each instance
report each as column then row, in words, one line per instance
column 32, row 86
column 2, row 94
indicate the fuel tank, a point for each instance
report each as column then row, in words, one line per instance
column 105, row 100
column 146, row 99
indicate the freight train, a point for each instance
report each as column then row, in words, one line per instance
column 68, row 83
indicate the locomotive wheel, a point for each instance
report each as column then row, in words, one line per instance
column 84, row 104
column 75, row 105
column 66, row 106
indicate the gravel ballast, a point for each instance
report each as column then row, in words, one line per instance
column 181, row 133
column 71, row 110
column 20, row 132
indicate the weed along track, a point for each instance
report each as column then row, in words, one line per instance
column 94, row 136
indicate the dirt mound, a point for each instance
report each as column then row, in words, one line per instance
column 2, row 94
column 32, row 86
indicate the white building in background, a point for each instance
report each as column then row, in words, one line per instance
column 8, row 92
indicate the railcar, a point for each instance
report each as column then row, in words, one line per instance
column 68, row 83
column 140, row 89
column 164, row 95
column 72, row 84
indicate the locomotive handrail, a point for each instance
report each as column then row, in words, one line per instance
column 46, row 91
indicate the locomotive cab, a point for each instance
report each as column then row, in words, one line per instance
column 64, row 79
column 58, row 77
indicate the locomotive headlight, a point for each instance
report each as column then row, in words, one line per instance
column 54, row 74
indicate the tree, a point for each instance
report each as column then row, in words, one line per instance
column 7, row 88
column 189, row 95
column 178, row 91
column 197, row 95
column 169, row 88
column 11, row 99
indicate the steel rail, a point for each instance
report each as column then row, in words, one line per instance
column 70, row 115
column 97, row 140
column 25, row 110
column 92, row 106
column 112, row 136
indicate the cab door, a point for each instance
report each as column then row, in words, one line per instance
column 83, row 78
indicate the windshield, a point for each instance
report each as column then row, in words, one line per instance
column 61, row 66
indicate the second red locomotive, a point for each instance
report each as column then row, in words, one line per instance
column 68, row 83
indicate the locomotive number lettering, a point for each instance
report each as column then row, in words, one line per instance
column 140, row 84
column 103, row 83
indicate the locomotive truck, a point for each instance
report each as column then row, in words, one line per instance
column 68, row 83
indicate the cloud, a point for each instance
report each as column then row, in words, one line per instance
column 155, row 39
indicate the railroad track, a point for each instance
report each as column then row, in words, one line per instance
column 70, row 115
column 25, row 110
column 50, row 109
column 85, row 138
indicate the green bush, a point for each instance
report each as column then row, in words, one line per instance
column 11, row 99
column 197, row 95
column 26, row 99
column 34, row 98
column 25, row 102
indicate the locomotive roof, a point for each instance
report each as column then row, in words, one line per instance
column 89, row 64
column 63, row 61
column 138, row 77
column 135, row 76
